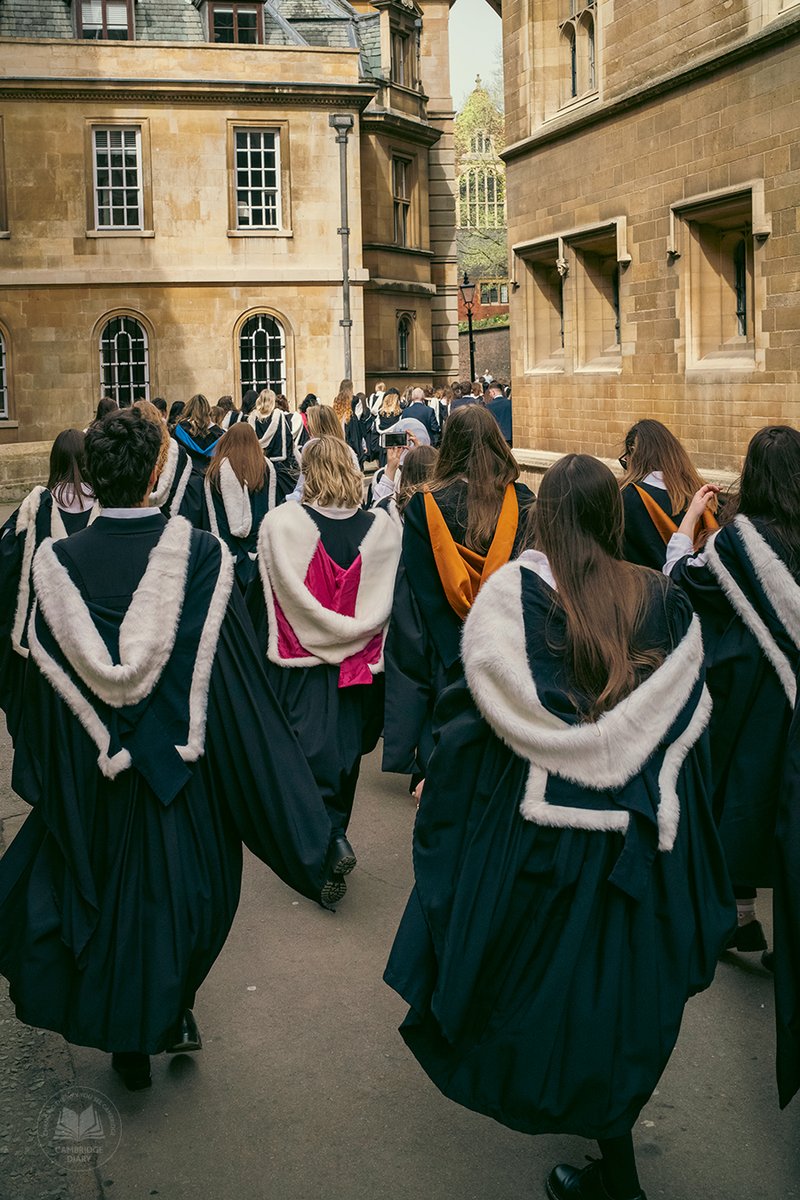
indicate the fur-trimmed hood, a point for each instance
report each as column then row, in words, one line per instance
column 26, row 527
column 603, row 756
column 175, row 475
column 780, row 589
column 80, row 667
column 236, row 500
column 277, row 424
column 287, row 543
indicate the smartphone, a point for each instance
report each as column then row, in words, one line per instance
column 394, row 439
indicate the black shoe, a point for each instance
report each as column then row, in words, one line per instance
column 333, row 890
column 571, row 1183
column 748, row 939
column 133, row 1069
column 343, row 858
column 186, row 1035
column 768, row 960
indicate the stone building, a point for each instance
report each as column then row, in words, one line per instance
column 172, row 175
column 481, row 213
column 653, row 183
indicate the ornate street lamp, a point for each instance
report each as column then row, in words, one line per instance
column 467, row 290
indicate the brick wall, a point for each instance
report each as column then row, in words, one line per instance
column 492, row 353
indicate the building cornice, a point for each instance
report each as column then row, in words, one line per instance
column 780, row 32
column 393, row 124
column 189, row 91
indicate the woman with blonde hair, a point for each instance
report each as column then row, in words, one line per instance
column 387, row 415
column 570, row 889
column 321, row 609
column 273, row 429
column 657, row 488
column 240, row 491
column 467, row 522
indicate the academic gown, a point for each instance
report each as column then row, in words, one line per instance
column 275, row 437
column 570, row 891
column 37, row 518
column 172, row 493
column 747, row 602
column 383, row 423
column 786, row 905
column 200, row 449
column 320, row 609
column 118, row 892
column 235, row 515
column 422, row 648
column 644, row 545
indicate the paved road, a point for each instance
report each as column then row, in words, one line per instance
column 304, row 1089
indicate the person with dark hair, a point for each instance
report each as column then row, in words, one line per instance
column 240, row 491
column 118, row 893
column 571, row 893
column 231, row 414
column 499, row 405
column 62, row 507
column 308, row 402
column 175, row 411
column 658, row 484
column 320, row 610
column 160, row 404
column 464, row 398
column 248, row 402
column 745, row 586
column 105, row 405
column 466, row 523
column 418, row 466
column 171, row 493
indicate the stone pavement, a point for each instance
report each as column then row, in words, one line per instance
column 304, row 1088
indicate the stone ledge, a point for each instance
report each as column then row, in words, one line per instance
column 534, row 463
column 22, row 466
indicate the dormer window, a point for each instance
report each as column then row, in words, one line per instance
column 235, row 24
column 105, row 20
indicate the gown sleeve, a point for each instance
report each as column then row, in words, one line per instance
column 270, row 790
column 410, row 661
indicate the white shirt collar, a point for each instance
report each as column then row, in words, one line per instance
column 126, row 514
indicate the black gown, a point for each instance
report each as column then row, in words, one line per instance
column 235, row 515
column 423, row 645
column 786, row 903
column 336, row 722
column 200, row 449
column 275, row 437
column 118, row 892
column 747, row 600
column 644, row 545
column 571, row 892
column 37, row 518
column 172, row 493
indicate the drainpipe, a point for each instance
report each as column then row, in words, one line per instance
column 343, row 123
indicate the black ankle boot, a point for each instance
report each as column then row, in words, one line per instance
column 133, row 1069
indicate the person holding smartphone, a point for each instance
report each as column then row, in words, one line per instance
column 404, row 435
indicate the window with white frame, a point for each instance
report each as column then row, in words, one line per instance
column 105, row 20
column 404, row 329
column 124, row 361
column 3, row 379
column 401, row 193
column 257, row 169
column 262, row 354
column 494, row 291
column 117, row 177
column 482, row 199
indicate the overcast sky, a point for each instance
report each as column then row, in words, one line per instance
column 475, row 35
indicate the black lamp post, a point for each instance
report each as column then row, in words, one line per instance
column 467, row 290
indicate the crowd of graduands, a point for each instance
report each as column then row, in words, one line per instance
column 209, row 615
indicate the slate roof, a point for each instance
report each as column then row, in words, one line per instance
column 332, row 23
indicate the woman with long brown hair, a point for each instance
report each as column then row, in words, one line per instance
column 467, row 522
column 570, row 888
column 64, row 506
column 320, row 610
column 240, row 491
column 657, row 488
column 744, row 585
column 273, row 428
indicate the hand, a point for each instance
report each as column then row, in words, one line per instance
column 700, row 502
column 417, row 792
column 413, row 440
column 393, row 456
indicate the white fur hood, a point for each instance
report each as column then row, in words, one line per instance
column 599, row 756
column 287, row 542
column 236, row 500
